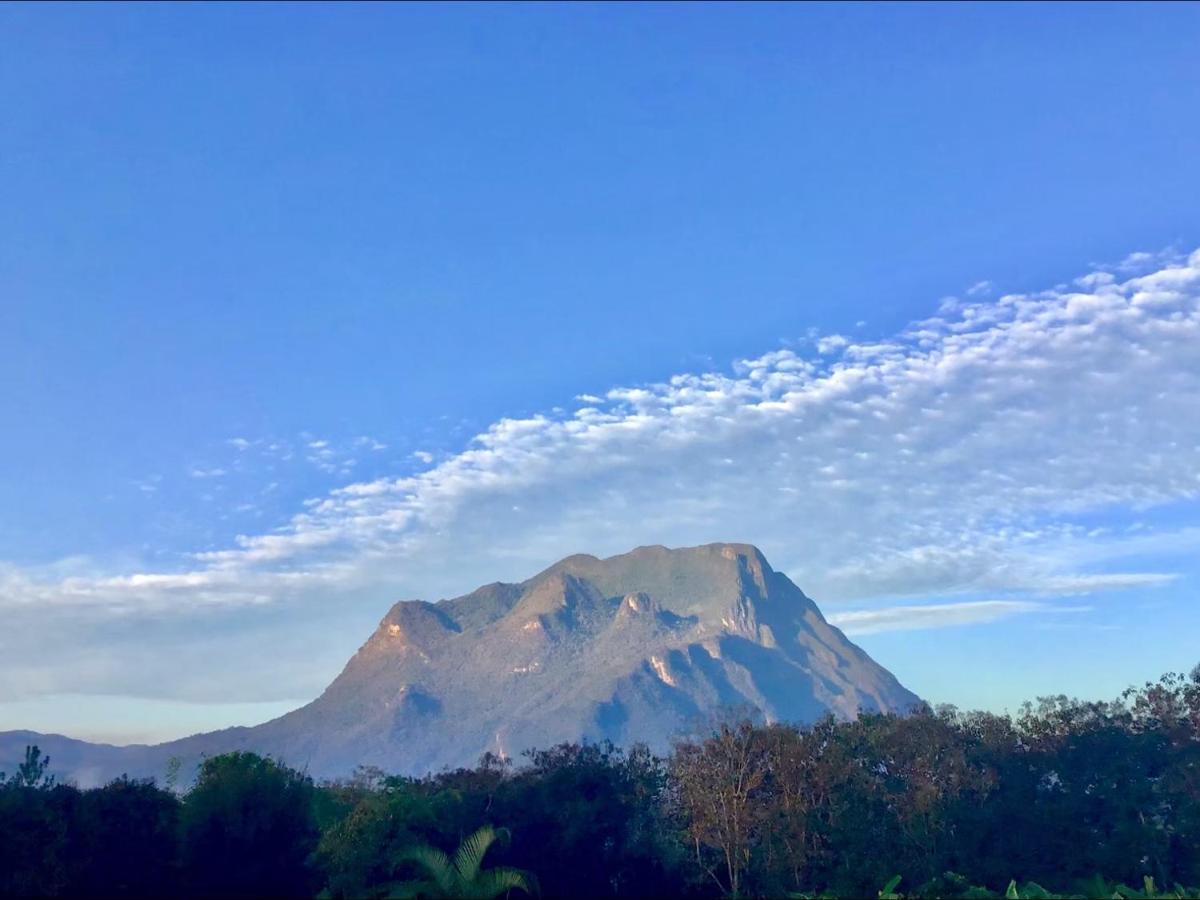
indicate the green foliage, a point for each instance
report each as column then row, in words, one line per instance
column 369, row 828
column 120, row 840
column 127, row 840
column 249, row 829
column 1150, row 892
column 32, row 772
column 888, row 891
column 171, row 776
column 591, row 822
column 1062, row 791
column 463, row 876
column 953, row 885
column 36, row 853
column 589, row 818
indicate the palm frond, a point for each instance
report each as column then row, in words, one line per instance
column 495, row 882
column 463, row 877
column 436, row 865
column 469, row 858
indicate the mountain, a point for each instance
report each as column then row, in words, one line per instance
column 637, row 647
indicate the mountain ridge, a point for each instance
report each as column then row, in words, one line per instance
column 637, row 647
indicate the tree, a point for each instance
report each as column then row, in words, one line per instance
column 717, row 782
column 128, row 840
column 463, row 876
column 591, row 823
column 32, row 772
column 248, row 828
column 359, row 851
column 38, row 822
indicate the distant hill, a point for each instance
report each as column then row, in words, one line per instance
column 637, row 647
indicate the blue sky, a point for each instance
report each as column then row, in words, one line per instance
column 300, row 307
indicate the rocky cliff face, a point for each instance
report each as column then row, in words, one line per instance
column 638, row 647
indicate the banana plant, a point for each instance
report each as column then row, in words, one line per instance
column 1031, row 890
column 1150, row 891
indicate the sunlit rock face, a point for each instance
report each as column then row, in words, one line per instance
column 639, row 647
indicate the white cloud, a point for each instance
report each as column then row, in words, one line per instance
column 1086, row 584
column 332, row 458
column 201, row 472
column 831, row 343
column 1137, row 260
column 149, row 485
column 940, row 615
column 955, row 457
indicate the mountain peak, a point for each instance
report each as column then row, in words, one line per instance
column 628, row 647
column 634, row 647
column 707, row 581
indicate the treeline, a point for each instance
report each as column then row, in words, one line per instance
column 1076, row 796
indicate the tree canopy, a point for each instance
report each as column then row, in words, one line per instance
column 1080, row 796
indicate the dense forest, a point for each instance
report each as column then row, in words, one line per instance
column 1078, row 797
